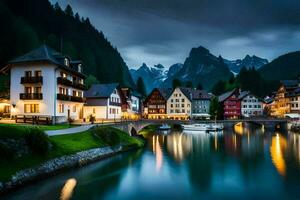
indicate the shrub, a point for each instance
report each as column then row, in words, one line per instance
column 37, row 140
column 5, row 152
column 109, row 136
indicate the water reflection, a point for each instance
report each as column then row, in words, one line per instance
column 67, row 190
column 239, row 163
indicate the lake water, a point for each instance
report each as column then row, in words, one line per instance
column 242, row 163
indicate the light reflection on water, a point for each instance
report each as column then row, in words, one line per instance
column 245, row 162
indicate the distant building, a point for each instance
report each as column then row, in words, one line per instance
column 45, row 83
column 250, row 105
column 285, row 100
column 132, row 108
column 200, row 104
column 179, row 104
column 155, row 105
column 104, row 101
column 231, row 104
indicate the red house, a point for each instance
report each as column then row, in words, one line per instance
column 231, row 104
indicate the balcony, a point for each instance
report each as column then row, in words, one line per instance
column 32, row 79
column 78, row 85
column 31, row 96
column 64, row 81
column 63, row 97
column 77, row 99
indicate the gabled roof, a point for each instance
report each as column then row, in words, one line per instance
column 101, row 90
column 188, row 92
column 289, row 83
column 201, row 94
column 243, row 94
column 46, row 54
column 165, row 92
column 226, row 95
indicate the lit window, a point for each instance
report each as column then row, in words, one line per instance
column 31, row 108
column 80, row 68
column 61, row 108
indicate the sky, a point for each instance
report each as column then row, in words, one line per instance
column 164, row 31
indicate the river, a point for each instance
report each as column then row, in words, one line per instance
column 245, row 162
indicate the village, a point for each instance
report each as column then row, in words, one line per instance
column 47, row 87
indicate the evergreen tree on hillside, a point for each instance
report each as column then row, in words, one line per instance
column 90, row 80
column 199, row 86
column 189, row 84
column 141, row 87
column 176, row 83
column 215, row 109
column 219, row 88
column 31, row 23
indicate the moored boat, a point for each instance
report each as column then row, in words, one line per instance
column 203, row 127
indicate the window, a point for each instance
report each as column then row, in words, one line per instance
column 74, row 108
column 171, row 105
column 94, row 110
column 171, row 100
column 38, row 90
column 38, row 73
column 182, row 100
column 63, row 74
column 66, row 62
column 28, row 90
column 182, row 105
column 28, row 74
column 31, row 108
column 79, row 68
column 183, row 110
column 179, row 95
column 61, row 108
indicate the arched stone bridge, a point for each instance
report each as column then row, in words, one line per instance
column 133, row 127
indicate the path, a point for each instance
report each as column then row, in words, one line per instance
column 70, row 130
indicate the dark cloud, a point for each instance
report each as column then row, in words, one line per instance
column 165, row 31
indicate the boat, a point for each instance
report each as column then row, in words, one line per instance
column 203, row 127
column 164, row 127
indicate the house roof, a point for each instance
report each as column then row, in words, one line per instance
column 289, row 83
column 101, row 90
column 165, row 92
column 243, row 94
column 226, row 95
column 188, row 92
column 47, row 54
column 201, row 94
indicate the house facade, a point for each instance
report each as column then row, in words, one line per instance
column 131, row 109
column 250, row 105
column 103, row 101
column 286, row 99
column 46, row 83
column 179, row 104
column 155, row 105
column 200, row 104
column 231, row 104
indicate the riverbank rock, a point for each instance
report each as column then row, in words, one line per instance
column 58, row 164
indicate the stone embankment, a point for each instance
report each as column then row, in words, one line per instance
column 60, row 164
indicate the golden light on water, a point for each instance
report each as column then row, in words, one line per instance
column 67, row 190
column 159, row 154
column 277, row 148
column 238, row 128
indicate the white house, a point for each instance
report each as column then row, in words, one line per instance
column 44, row 83
column 179, row 104
column 103, row 101
column 250, row 105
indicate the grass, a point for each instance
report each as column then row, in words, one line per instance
column 63, row 145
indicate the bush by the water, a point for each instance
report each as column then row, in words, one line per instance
column 5, row 152
column 37, row 140
column 108, row 135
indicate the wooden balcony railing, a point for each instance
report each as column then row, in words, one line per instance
column 64, row 81
column 31, row 96
column 32, row 79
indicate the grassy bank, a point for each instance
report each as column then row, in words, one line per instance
column 60, row 146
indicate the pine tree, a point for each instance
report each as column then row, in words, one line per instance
column 141, row 86
column 69, row 10
column 176, row 83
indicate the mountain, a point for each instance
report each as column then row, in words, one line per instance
column 29, row 23
column 201, row 66
column 284, row 67
column 152, row 76
column 248, row 62
column 174, row 69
